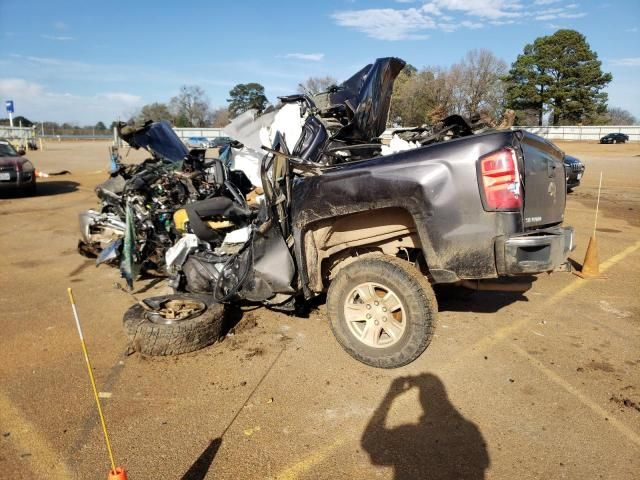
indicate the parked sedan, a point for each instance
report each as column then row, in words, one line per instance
column 615, row 138
column 17, row 173
column 220, row 142
column 197, row 142
column 574, row 170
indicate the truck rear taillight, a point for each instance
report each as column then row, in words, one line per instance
column 500, row 180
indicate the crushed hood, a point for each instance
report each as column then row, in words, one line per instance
column 366, row 98
column 156, row 137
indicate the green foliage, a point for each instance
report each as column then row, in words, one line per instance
column 472, row 85
column 181, row 121
column 100, row 126
column 17, row 121
column 559, row 74
column 245, row 96
column 154, row 111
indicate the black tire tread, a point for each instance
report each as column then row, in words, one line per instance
column 421, row 299
column 187, row 336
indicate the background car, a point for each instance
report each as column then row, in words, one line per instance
column 220, row 142
column 614, row 138
column 17, row 173
column 574, row 170
column 197, row 142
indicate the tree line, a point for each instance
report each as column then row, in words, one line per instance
column 557, row 78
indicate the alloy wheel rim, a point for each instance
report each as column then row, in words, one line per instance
column 175, row 311
column 375, row 315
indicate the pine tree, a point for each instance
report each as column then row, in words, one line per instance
column 559, row 74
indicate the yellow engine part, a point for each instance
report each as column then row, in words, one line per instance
column 180, row 219
column 220, row 225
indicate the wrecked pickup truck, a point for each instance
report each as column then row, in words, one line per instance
column 373, row 226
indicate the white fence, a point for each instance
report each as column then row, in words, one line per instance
column 16, row 133
column 210, row 133
column 584, row 133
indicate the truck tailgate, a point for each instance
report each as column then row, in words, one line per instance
column 544, row 182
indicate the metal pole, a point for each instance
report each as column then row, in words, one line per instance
column 595, row 222
column 93, row 382
column 11, row 119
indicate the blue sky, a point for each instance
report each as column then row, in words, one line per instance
column 87, row 61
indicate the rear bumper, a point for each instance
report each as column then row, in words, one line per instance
column 535, row 252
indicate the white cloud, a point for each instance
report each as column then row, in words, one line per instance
column 482, row 8
column 36, row 102
column 551, row 16
column 472, row 25
column 448, row 16
column 626, row 62
column 57, row 38
column 387, row 23
column 311, row 57
column 502, row 22
column 60, row 25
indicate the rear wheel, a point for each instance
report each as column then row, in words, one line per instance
column 382, row 311
column 178, row 324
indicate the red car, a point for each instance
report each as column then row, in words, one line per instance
column 17, row 173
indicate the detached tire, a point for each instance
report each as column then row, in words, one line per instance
column 160, row 336
column 382, row 311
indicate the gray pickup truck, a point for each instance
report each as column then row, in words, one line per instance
column 372, row 227
column 476, row 208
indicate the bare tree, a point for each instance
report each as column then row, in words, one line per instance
column 418, row 95
column 619, row 116
column 473, row 85
column 315, row 85
column 478, row 82
column 219, row 117
column 190, row 107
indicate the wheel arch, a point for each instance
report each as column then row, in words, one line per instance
column 329, row 244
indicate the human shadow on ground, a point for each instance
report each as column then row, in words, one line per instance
column 442, row 446
column 199, row 469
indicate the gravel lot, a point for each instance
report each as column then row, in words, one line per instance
column 544, row 384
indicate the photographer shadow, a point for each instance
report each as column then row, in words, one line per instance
column 442, row 446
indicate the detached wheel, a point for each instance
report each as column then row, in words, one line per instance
column 382, row 311
column 178, row 324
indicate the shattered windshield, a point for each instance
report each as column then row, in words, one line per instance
column 159, row 138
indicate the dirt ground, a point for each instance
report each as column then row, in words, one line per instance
column 540, row 385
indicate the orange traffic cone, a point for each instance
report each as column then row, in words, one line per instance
column 590, row 265
column 118, row 474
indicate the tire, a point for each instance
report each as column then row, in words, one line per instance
column 180, row 336
column 410, row 304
